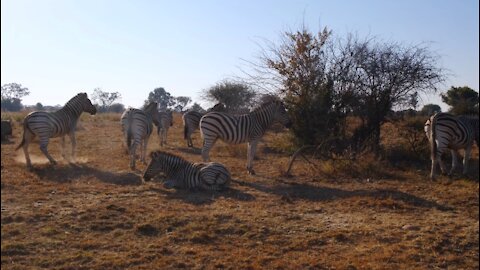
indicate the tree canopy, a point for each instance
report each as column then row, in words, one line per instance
column 462, row 100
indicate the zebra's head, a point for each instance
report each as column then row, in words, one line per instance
column 281, row 114
column 154, row 167
column 87, row 105
column 151, row 110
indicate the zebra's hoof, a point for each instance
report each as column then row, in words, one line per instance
column 251, row 172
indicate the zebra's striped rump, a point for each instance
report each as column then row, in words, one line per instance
column 445, row 131
column 183, row 174
column 137, row 126
column 165, row 122
column 191, row 121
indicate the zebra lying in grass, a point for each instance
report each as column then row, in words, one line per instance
column 191, row 121
column 236, row 129
column 46, row 125
column 183, row 174
column 137, row 127
column 165, row 122
column 445, row 131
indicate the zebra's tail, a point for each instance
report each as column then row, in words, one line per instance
column 129, row 130
column 25, row 127
column 433, row 135
column 185, row 131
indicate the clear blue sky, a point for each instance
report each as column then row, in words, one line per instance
column 58, row 48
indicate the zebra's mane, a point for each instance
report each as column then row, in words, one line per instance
column 166, row 154
column 79, row 96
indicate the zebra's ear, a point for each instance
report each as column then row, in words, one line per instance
column 154, row 155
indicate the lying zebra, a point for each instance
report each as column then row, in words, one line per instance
column 183, row 174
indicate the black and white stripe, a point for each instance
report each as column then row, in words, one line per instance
column 235, row 129
column 165, row 122
column 46, row 125
column 183, row 174
column 191, row 121
column 137, row 128
column 445, row 131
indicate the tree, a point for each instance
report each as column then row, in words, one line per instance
column 162, row 97
column 234, row 95
column 383, row 75
column 104, row 99
column 181, row 102
column 462, row 100
column 39, row 106
column 196, row 107
column 12, row 94
column 116, row 108
column 430, row 109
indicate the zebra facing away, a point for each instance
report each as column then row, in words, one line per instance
column 445, row 131
column 191, row 121
column 165, row 122
column 236, row 129
column 137, row 128
column 183, row 174
column 46, row 125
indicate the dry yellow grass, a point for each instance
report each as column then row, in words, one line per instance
column 96, row 214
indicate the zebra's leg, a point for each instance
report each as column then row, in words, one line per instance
column 207, row 145
column 454, row 161
column 189, row 139
column 43, row 148
column 28, row 138
column 63, row 148
column 73, row 140
column 252, row 146
column 132, row 155
column 466, row 158
column 144, row 150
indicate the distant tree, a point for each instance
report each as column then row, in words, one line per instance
column 181, row 102
column 116, row 108
column 196, row 107
column 12, row 95
column 430, row 109
column 39, row 106
column 234, row 95
column 104, row 99
column 462, row 100
column 162, row 97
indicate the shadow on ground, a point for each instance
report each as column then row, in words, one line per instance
column 70, row 172
column 315, row 193
column 199, row 197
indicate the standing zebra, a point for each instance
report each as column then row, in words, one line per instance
column 183, row 174
column 191, row 121
column 165, row 122
column 137, row 126
column 235, row 129
column 444, row 131
column 47, row 125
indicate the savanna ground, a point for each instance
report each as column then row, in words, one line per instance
column 97, row 214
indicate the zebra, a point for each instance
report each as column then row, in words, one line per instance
column 191, row 121
column 236, row 129
column 444, row 131
column 46, row 125
column 137, row 127
column 165, row 122
column 183, row 174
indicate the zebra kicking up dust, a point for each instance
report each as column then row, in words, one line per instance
column 236, row 129
column 46, row 125
column 137, row 127
column 166, row 121
column 445, row 131
column 183, row 174
column 191, row 121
